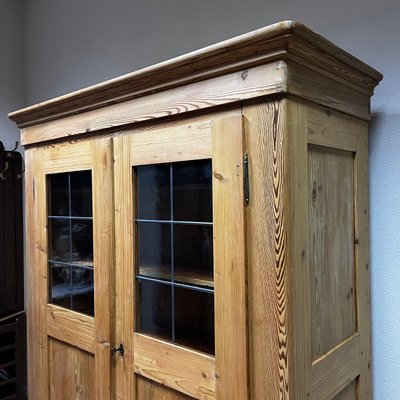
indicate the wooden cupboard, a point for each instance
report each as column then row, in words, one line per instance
column 199, row 228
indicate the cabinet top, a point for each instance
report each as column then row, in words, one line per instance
column 288, row 41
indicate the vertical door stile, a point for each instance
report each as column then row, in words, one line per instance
column 296, row 216
column 103, row 236
column 40, row 286
column 124, row 382
column 229, row 260
column 361, row 209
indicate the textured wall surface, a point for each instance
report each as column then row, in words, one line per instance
column 11, row 67
column 72, row 44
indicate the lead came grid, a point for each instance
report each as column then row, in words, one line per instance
column 172, row 246
column 70, row 224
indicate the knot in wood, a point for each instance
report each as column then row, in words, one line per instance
column 219, row 176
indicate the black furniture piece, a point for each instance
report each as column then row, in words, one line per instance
column 13, row 358
column 12, row 316
column 11, row 239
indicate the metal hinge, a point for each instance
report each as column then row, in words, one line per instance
column 246, row 184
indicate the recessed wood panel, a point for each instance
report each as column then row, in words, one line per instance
column 71, row 372
column 71, row 327
column 349, row 393
column 182, row 369
column 332, row 372
column 331, row 238
column 149, row 390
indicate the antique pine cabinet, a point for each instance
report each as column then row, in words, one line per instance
column 198, row 229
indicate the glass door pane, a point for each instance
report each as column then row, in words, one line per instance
column 174, row 269
column 70, row 224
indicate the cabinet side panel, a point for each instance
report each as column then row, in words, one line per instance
column 331, row 242
column 337, row 197
column 349, row 393
column 266, row 246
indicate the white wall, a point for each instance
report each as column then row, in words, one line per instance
column 11, row 67
column 74, row 43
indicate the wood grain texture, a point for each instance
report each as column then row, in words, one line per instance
column 313, row 86
column 285, row 40
column 361, row 211
column 124, row 294
column 184, row 370
column 291, row 269
column 349, row 393
column 150, row 390
column 335, row 370
column 331, row 246
column 68, row 326
column 323, row 61
column 227, row 89
column 71, row 327
column 231, row 362
column 267, row 269
column 331, row 129
column 103, row 258
column 67, row 157
column 40, row 290
column 71, row 373
column 191, row 142
column 296, row 211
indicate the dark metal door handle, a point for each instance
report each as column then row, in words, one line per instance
column 120, row 349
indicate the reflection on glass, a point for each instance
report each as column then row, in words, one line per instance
column 154, row 250
column 155, row 309
column 81, row 194
column 59, row 230
column 70, row 229
column 153, row 192
column 59, row 195
column 60, row 289
column 175, row 253
column 83, row 290
column 193, row 254
column 194, row 319
column 82, row 241
column 192, row 191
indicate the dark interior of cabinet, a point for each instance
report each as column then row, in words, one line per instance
column 174, row 243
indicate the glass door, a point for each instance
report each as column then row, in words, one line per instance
column 73, row 260
column 180, row 261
